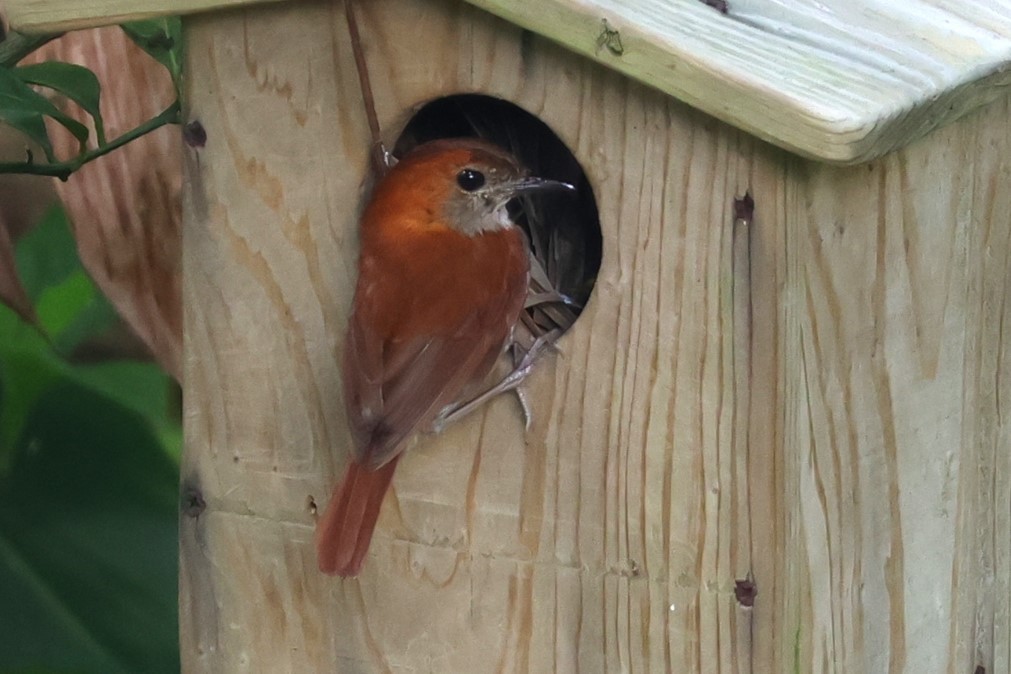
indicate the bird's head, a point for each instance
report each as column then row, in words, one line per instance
column 465, row 183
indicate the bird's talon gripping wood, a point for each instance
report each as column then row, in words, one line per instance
column 511, row 382
column 528, row 417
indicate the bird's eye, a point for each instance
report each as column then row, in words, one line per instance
column 470, row 180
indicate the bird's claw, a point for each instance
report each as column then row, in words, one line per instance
column 511, row 382
column 544, row 342
column 528, row 417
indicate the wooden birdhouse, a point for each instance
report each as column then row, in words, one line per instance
column 771, row 442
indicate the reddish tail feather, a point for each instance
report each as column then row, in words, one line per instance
column 344, row 532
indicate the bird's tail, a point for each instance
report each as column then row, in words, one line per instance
column 344, row 532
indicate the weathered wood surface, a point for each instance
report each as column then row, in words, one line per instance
column 572, row 547
column 897, row 459
column 836, row 80
column 858, row 466
column 839, row 80
column 52, row 16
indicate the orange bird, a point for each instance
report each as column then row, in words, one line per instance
column 442, row 279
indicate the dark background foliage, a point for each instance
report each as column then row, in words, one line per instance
column 88, row 482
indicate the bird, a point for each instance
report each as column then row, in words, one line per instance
column 442, row 279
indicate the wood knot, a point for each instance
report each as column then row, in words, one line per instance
column 628, row 568
column 311, row 507
column 610, row 39
column 193, row 503
column 194, row 134
column 744, row 208
column 745, row 591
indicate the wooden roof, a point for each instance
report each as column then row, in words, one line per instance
column 838, row 80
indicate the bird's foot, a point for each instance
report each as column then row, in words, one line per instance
column 511, row 382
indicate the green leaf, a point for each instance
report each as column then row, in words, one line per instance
column 47, row 254
column 60, row 304
column 73, row 311
column 28, row 367
column 73, row 81
column 68, row 305
column 23, row 108
column 29, row 123
column 88, row 516
column 162, row 39
column 143, row 388
column 88, row 541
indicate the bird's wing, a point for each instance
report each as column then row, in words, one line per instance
column 395, row 387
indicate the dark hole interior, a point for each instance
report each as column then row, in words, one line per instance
column 563, row 229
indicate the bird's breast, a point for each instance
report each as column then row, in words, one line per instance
column 431, row 282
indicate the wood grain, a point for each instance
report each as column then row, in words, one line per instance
column 846, row 448
column 896, row 490
column 55, row 16
column 836, row 80
column 609, row 537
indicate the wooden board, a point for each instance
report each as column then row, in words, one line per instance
column 897, row 475
column 606, row 539
column 848, row 449
column 836, row 80
column 54, row 16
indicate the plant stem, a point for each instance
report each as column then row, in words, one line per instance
column 63, row 169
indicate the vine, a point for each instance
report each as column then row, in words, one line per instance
column 25, row 108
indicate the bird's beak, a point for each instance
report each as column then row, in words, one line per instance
column 525, row 185
column 506, row 191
